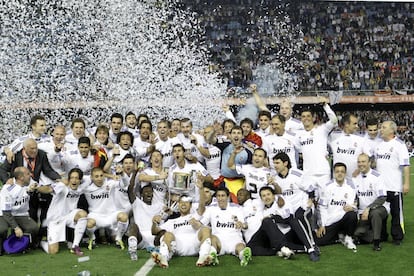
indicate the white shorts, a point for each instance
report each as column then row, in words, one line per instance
column 228, row 244
column 187, row 245
column 56, row 230
column 105, row 220
column 147, row 240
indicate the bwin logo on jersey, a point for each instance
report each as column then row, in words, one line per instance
column 308, row 141
column 176, row 225
column 346, row 151
column 101, row 196
column 225, row 224
column 338, row 203
column 285, row 150
column 386, row 156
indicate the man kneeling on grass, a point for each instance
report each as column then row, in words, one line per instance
column 184, row 236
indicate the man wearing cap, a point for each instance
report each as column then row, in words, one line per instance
column 184, row 236
column 14, row 204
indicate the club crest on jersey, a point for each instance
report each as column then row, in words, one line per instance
column 370, row 186
column 355, row 144
column 234, row 218
column 391, row 149
column 346, row 195
column 291, row 186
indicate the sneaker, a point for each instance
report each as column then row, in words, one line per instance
column 204, row 260
column 341, row 238
column 313, row 256
column 133, row 255
column 349, row 243
column 159, row 259
column 247, row 256
column 120, row 244
column 214, row 258
column 287, row 253
column 91, row 244
column 376, row 247
column 76, row 250
column 396, row 242
column 317, row 250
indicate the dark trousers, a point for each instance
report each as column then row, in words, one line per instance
column 346, row 225
column 396, row 209
column 269, row 239
column 27, row 224
column 375, row 227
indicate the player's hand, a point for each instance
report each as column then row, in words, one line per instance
column 364, row 215
column 253, row 88
column 9, row 156
column 194, row 223
column 156, row 219
column 406, row 188
column 321, row 232
column 18, row 232
column 348, row 208
column 355, row 173
column 32, row 187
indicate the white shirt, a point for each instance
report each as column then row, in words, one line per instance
column 188, row 146
column 391, row 157
column 368, row 188
column 213, row 162
column 14, row 198
column 101, row 199
column 64, row 201
column 17, row 144
column 159, row 187
column 166, row 149
column 346, row 148
column 55, row 158
column 333, row 199
column 255, row 178
column 287, row 143
column 73, row 159
column 223, row 221
column 294, row 189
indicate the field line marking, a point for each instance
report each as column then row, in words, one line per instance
column 146, row 268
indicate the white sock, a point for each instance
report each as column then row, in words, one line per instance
column 122, row 227
column 164, row 249
column 132, row 243
column 91, row 232
column 213, row 250
column 241, row 254
column 80, row 228
column 45, row 246
column 205, row 247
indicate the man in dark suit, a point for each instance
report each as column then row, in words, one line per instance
column 37, row 162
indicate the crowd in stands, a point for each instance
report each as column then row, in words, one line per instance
column 364, row 46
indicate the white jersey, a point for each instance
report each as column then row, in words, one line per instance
column 223, row 221
column 55, row 158
column 293, row 125
column 391, row 157
column 213, row 162
column 255, row 178
column 188, row 146
column 141, row 149
column 118, row 158
column 371, row 144
column 333, row 199
column 180, row 226
column 262, row 133
column 294, row 189
column 73, row 159
column 159, row 187
column 64, row 201
column 14, row 198
column 284, row 212
column 177, row 177
column 17, row 144
column 71, row 142
column 101, row 199
column 166, row 149
column 143, row 214
column 368, row 188
column 253, row 215
column 287, row 143
column 346, row 148
column 121, row 198
column 314, row 146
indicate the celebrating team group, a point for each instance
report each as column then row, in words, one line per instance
column 288, row 187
